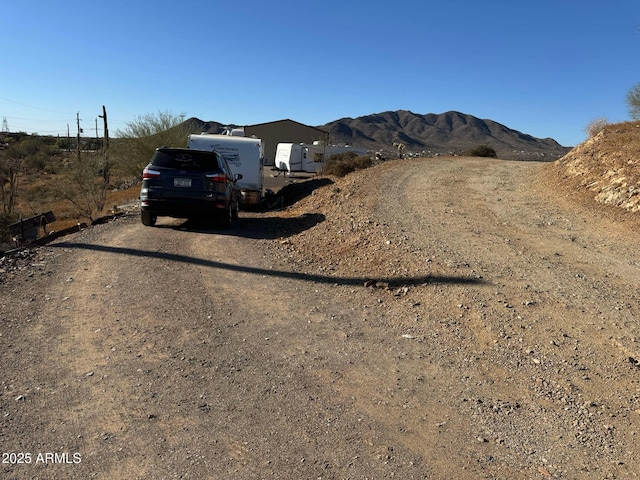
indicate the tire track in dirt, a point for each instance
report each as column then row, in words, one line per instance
column 561, row 288
column 106, row 313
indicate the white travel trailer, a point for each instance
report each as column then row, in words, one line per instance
column 243, row 154
column 301, row 157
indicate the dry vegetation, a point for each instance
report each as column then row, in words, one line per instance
column 50, row 188
column 66, row 213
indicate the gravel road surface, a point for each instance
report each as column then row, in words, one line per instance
column 435, row 318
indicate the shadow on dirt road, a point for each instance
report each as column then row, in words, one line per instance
column 387, row 282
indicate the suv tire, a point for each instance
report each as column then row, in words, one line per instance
column 148, row 219
column 235, row 213
column 227, row 217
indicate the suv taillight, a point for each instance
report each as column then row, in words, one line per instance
column 149, row 173
column 216, row 177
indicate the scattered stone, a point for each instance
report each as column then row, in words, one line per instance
column 544, row 471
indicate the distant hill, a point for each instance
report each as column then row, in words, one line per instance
column 445, row 133
column 197, row 126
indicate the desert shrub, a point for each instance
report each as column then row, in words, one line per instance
column 342, row 164
column 633, row 102
column 36, row 161
column 135, row 145
column 6, row 219
column 87, row 184
column 482, row 151
column 595, row 126
column 10, row 168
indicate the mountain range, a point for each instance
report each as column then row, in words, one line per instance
column 445, row 133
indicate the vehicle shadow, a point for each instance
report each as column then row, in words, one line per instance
column 385, row 282
column 256, row 227
column 294, row 192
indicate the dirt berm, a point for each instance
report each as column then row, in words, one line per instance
column 449, row 318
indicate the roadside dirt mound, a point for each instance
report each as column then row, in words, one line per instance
column 349, row 242
column 294, row 192
column 607, row 166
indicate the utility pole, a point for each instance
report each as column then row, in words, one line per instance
column 79, row 131
column 106, row 128
column 97, row 140
column 105, row 148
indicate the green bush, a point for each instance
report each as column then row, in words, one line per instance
column 482, row 151
column 342, row 164
column 136, row 144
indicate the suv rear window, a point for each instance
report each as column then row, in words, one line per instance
column 186, row 160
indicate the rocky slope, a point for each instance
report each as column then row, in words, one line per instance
column 606, row 166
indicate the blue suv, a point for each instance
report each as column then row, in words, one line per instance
column 187, row 183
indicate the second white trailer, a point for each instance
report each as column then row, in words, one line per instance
column 301, row 157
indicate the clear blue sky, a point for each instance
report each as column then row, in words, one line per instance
column 545, row 68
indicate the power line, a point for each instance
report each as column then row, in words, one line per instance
column 34, row 120
column 36, row 108
column 32, row 124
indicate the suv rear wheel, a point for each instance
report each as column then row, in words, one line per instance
column 148, row 219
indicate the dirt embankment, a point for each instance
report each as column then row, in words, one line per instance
column 606, row 166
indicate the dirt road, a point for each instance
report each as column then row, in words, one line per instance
column 496, row 337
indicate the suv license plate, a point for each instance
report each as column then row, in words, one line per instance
column 182, row 182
